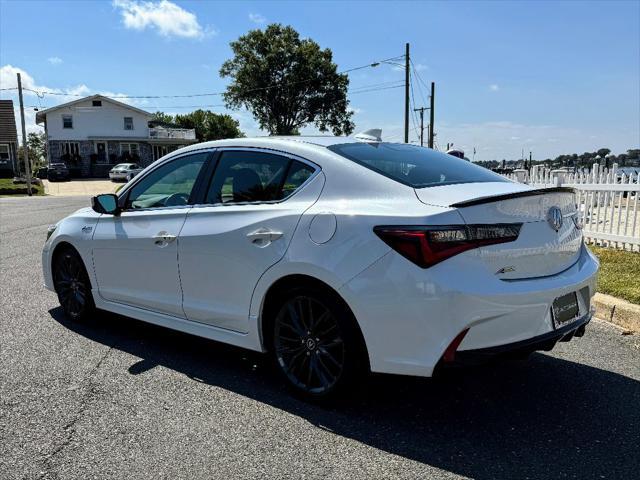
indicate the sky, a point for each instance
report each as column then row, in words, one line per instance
column 511, row 76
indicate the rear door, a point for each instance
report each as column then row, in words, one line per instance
column 244, row 225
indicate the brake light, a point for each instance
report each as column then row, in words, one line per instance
column 428, row 245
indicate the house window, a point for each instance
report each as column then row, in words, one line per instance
column 128, row 123
column 67, row 121
column 97, row 103
column 71, row 148
column 4, row 154
column 129, row 149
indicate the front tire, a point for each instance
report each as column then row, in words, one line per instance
column 316, row 345
column 72, row 284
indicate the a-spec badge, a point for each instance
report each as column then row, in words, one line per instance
column 508, row 269
column 554, row 218
column 87, row 229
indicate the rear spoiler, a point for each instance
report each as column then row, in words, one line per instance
column 507, row 196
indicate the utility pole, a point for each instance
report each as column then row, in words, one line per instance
column 25, row 149
column 431, row 105
column 406, row 94
column 421, row 110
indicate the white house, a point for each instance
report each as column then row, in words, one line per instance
column 93, row 133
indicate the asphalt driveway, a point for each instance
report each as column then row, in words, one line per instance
column 117, row 398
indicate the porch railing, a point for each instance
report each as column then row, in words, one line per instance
column 178, row 133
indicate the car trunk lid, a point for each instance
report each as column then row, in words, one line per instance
column 545, row 246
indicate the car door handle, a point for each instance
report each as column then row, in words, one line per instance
column 263, row 236
column 162, row 239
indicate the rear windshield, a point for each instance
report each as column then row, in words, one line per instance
column 415, row 166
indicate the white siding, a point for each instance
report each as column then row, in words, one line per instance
column 90, row 121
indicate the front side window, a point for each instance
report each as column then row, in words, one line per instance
column 415, row 166
column 128, row 123
column 67, row 121
column 251, row 176
column 170, row 185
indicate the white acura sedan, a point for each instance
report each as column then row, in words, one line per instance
column 335, row 255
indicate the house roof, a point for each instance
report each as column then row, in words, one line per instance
column 41, row 115
column 8, row 132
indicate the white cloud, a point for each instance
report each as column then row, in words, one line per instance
column 257, row 18
column 494, row 87
column 54, row 60
column 166, row 17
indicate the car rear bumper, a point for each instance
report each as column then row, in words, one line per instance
column 410, row 316
column 544, row 342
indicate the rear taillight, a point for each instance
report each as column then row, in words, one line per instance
column 427, row 245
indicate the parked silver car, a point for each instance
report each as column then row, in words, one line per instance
column 124, row 172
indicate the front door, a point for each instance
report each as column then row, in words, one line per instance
column 101, row 152
column 248, row 218
column 135, row 253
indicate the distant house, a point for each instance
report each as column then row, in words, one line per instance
column 94, row 133
column 8, row 140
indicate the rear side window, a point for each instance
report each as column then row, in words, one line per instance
column 249, row 177
column 415, row 166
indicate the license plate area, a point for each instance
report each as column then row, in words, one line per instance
column 565, row 309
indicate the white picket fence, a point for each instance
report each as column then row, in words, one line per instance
column 607, row 201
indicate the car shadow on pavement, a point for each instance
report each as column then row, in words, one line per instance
column 545, row 418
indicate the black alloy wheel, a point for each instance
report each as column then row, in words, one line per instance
column 315, row 346
column 72, row 285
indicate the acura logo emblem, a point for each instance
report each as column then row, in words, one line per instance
column 554, row 217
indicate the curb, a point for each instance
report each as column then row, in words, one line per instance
column 618, row 311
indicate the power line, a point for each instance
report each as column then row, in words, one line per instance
column 414, row 115
column 417, row 75
column 362, row 89
column 209, row 94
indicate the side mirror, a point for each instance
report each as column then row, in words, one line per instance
column 105, row 203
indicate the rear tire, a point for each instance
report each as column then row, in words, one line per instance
column 316, row 345
column 72, row 284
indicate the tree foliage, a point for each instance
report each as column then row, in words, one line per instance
column 36, row 143
column 287, row 82
column 163, row 117
column 583, row 160
column 207, row 124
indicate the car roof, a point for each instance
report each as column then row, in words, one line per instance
column 273, row 141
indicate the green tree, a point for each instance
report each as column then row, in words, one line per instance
column 287, row 82
column 163, row 117
column 603, row 152
column 209, row 125
column 36, row 143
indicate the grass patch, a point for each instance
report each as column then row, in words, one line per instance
column 7, row 187
column 619, row 273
